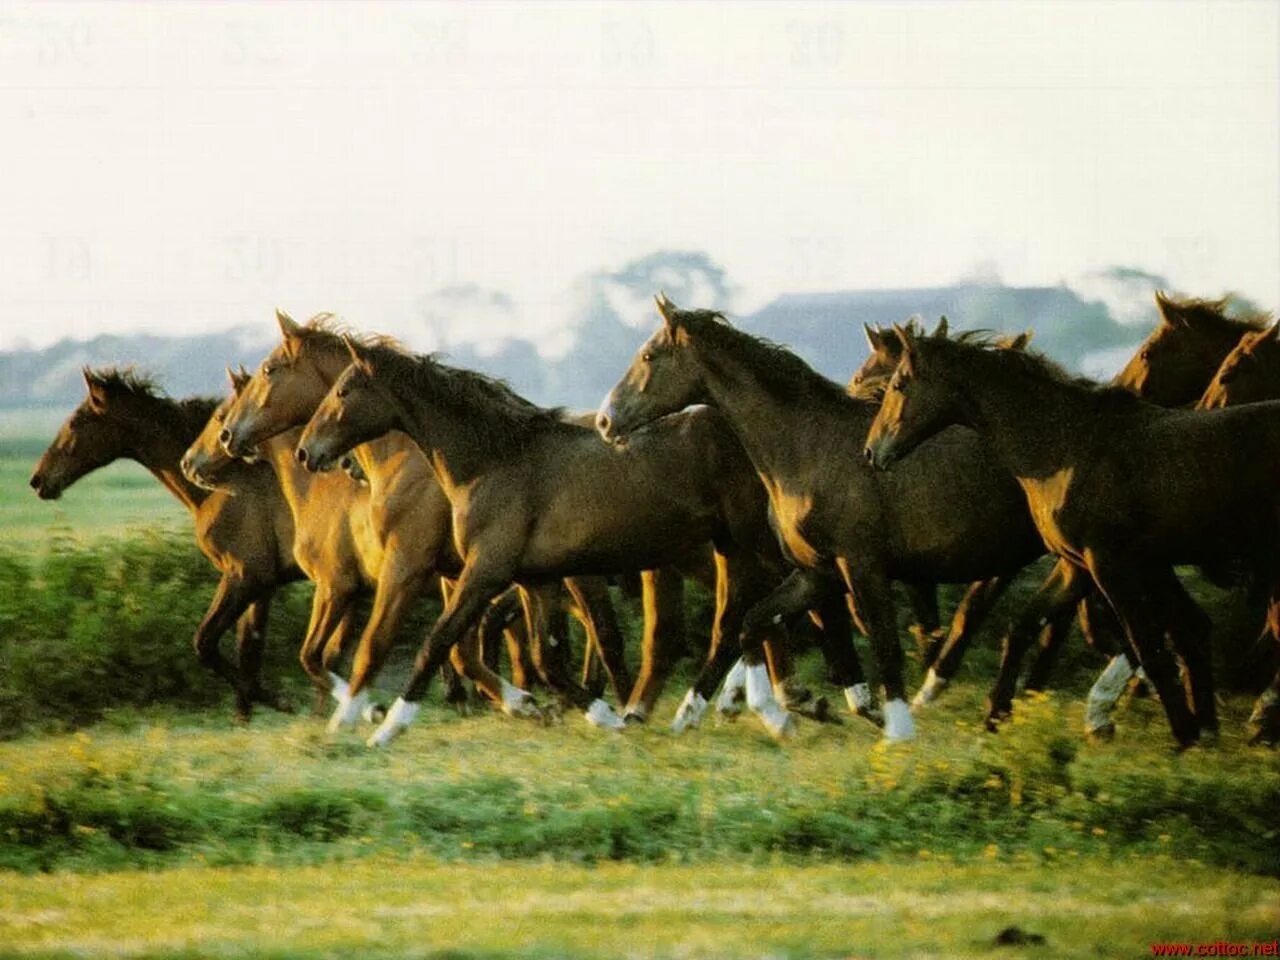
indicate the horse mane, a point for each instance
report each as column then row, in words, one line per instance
column 1210, row 313
column 779, row 370
column 126, row 382
column 1030, row 363
column 490, row 408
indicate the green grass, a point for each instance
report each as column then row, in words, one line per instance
column 415, row 907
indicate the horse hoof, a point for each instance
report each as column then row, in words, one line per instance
column 1101, row 734
column 396, row 722
column 374, row 713
column 690, row 712
column 603, row 716
column 780, row 722
column 1264, row 721
column 348, row 711
column 929, row 691
column 635, row 717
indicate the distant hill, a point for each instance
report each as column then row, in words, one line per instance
column 612, row 316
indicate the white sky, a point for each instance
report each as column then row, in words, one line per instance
column 191, row 166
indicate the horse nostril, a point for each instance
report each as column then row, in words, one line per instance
column 224, row 437
column 603, row 423
column 37, row 481
column 301, row 454
column 871, row 457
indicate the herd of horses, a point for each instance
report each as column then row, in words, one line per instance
column 722, row 457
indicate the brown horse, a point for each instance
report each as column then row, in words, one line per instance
column 1118, row 488
column 1170, row 368
column 411, row 523
column 335, row 546
column 835, row 516
column 536, row 498
column 1250, row 373
column 942, row 653
column 245, row 530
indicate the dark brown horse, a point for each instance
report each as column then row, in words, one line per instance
column 952, row 516
column 942, row 652
column 535, row 498
column 1250, row 373
column 245, row 529
column 1118, row 488
column 1170, row 368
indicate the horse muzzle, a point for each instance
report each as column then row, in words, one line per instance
column 43, row 488
column 881, row 452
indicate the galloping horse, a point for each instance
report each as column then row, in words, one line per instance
column 245, row 529
column 951, row 516
column 536, row 498
column 411, row 525
column 1170, row 368
column 1250, row 373
column 1117, row 487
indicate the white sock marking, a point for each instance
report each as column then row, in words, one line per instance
column 689, row 714
column 929, row 690
column 898, row 724
column 601, row 715
column 397, row 720
column 1105, row 692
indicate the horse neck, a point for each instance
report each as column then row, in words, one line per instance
column 448, row 441
column 1036, row 425
column 294, row 479
column 158, row 445
column 766, row 425
column 382, row 460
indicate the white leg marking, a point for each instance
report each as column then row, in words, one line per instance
column 397, row 720
column 898, row 724
column 517, row 702
column 861, row 703
column 760, row 699
column 601, row 715
column 689, row 714
column 929, row 690
column 1105, row 692
column 638, row 711
column 348, row 711
column 1265, row 703
column 338, row 688
column 729, row 703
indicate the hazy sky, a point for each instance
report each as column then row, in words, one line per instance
column 188, row 166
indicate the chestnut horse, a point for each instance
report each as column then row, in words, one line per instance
column 951, row 516
column 245, row 529
column 411, row 525
column 536, row 498
column 1118, row 488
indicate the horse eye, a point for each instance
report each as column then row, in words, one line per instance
column 343, row 391
column 1146, row 354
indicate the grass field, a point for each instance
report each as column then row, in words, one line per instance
column 136, row 819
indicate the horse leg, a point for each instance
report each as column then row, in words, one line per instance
column 943, row 661
column 475, row 589
column 830, row 611
column 251, row 635
column 230, row 601
column 662, row 593
column 1060, row 591
column 591, row 596
column 1264, row 721
column 503, row 624
column 872, row 605
column 399, row 584
column 550, row 651
column 1136, row 596
column 922, row 598
column 329, row 608
column 1189, row 629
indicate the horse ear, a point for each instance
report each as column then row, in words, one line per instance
column 874, row 337
column 1170, row 315
column 1018, row 342
column 237, row 379
column 665, row 307
column 289, row 327
column 940, row 331
column 907, row 339
column 97, row 387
